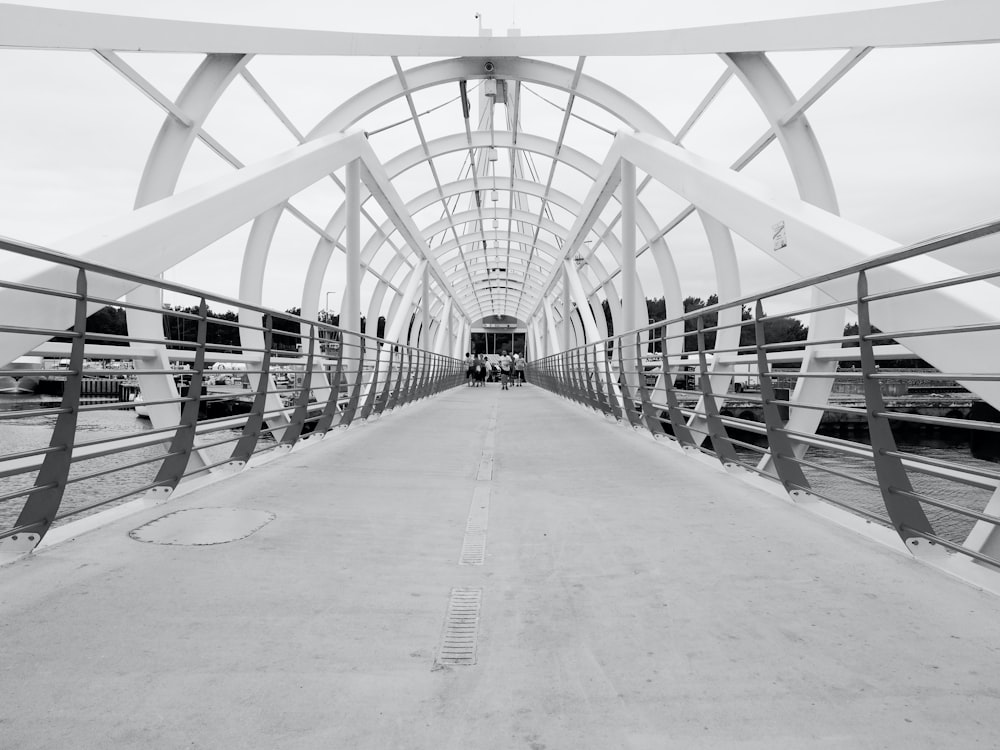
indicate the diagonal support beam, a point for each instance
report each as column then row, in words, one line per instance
column 821, row 243
column 158, row 236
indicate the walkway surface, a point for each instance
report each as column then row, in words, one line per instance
column 630, row 598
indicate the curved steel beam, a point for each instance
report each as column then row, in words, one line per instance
column 530, row 142
column 159, row 180
column 821, row 242
column 815, row 185
column 908, row 25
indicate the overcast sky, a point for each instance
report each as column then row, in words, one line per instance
column 910, row 135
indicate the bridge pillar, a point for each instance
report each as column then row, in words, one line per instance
column 401, row 317
column 350, row 311
column 567, row 311
column 583, row 305
column 460, row 345
column 551, row 335
column 159, row 180
column 425, row 306
column 442, row 340
column 629, row 321
column 815, row 185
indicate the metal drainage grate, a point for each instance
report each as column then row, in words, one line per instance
column 461, row 628
column 474, row 542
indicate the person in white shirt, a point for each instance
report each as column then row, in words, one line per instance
column 519, row 365
column 505, row 369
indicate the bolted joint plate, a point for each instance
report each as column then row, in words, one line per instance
column 17, row 546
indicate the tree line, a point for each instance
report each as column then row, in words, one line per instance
column 111, row 320
column 221, row 330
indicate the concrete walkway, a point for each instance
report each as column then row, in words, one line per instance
column 630, row 598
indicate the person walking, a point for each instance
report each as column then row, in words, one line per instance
column 505, row 369
column 519, row 366
column 470, row 363
column 480, row 371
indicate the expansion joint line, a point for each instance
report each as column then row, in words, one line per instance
column 460, row 634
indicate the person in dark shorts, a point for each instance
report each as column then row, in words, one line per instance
column 479, row 372
column 470, row 363
column 506, row 366
column 518, row 370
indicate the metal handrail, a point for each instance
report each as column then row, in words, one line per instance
column 327, row 390
column 873, row 403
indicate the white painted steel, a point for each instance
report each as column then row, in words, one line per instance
column 956, row 21
column 444, row 260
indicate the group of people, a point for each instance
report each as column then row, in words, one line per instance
column 509, row 369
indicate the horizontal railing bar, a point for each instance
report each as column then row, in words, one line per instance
column 24, row 413
column 27, row 331
column 954, row 547
column 944, row 505
column 106, row 501
column 932, row 285
column 940, row 421
column 893, row 256
column 958, row 472
column 26, row 491
column 115, row 469
column 820, row 407
column 835, row 472
column 20, row 456
column 881, row 520
column 795, row 313
column 45, row 291
column 25, row 529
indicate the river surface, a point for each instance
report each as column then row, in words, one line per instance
column 34, row 432
column 952, row 446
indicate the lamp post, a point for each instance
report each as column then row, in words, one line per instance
column 327, row 307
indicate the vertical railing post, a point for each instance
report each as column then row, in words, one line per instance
column 905, row 513
column 297, row 422
column 677, row 421
column 628, row 401
column 721, row 444
column 397, row 387
column 174, row 465
column 373, row 388
column 351, row 410
column 408, row 388
column 782, row 454
column 330, row 410
column 603, row 402
column 616, row 411
column 589, row 376
column 383, row 401
column 42, row 504
column 420, row 384
column 649, row 415
column 254, row 425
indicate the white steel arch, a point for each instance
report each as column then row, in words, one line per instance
column 177, row 227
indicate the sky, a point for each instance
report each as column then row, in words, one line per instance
column 909, row 135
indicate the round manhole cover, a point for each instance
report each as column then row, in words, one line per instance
column 200, row 526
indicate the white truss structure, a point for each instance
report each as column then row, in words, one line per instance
column 500, row 242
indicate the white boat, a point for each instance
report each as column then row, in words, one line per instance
column 141, row 410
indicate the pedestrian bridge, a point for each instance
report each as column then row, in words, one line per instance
column 694, row 529
column 479, row 569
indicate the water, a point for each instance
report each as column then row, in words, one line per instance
column 952, row 446
column 31, row 433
